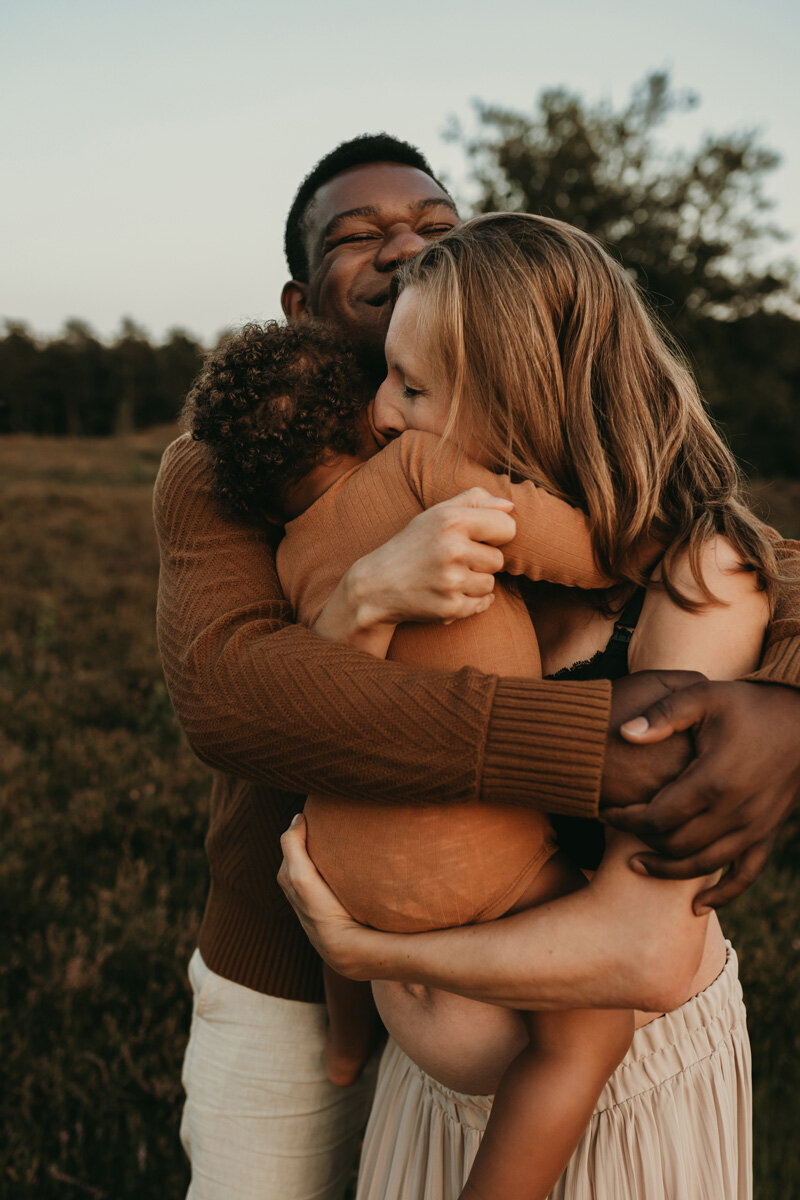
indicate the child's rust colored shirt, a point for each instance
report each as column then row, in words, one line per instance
column 413, row 867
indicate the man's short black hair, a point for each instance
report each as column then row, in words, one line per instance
column 358, row 151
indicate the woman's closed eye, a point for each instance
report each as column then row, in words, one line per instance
column 411, row 393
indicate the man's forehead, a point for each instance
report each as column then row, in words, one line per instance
column 383, row 186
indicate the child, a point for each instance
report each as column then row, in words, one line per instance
column 284, row 413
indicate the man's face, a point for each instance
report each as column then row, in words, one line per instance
column 361, row 225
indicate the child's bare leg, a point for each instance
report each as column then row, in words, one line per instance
column 352, row 1024
column 546, row 1097
column 545, row 1101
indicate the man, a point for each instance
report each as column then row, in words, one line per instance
column 280, row 711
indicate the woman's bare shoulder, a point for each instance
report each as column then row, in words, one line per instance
column 724, row 572
column 723, row 638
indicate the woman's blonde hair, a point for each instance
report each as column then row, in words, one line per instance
column 555, row 364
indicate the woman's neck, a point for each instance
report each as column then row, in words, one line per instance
column 569, row 626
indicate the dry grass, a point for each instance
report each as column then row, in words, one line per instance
column 103, row 815
column 103, row 876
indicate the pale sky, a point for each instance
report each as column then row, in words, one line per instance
column 150, row 150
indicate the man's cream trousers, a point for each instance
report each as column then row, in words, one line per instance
column 261, row 1120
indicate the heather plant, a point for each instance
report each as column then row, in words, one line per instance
column 103, row 815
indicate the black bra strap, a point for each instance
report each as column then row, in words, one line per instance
column 626, row 622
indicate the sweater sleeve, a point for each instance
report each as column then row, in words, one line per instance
column 780, row 662
column 268, row 701
column 553, row 540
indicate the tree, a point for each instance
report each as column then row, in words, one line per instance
column 689, row 226
column 19, row 400
column 693, row 229
column 135, row 374
column 75, row 381
column 179, row 360
column 76, row 385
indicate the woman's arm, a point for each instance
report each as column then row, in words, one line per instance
column 609, row 945
column 728, row 807
column 722, row 640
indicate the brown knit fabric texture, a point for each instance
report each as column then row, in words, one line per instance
column 278, row 712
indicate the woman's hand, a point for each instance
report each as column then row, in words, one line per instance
column 440, row 568
column 335, row 935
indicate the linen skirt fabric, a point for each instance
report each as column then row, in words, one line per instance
column 672, row 1123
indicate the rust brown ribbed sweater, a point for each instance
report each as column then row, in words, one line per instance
column 279, row 712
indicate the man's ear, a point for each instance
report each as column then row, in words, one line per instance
column 294, row 300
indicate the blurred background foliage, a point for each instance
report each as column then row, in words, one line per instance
column 75, row 385
column 693, row 229
column 103, row 808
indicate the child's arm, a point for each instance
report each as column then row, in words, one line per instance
column 545, row 1101
column 352, row 1023
column 553, row 539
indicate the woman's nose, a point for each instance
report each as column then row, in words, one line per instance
column 386, row 415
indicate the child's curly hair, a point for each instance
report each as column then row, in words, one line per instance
column 268, row 403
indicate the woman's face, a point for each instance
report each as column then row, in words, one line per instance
column 413, row 395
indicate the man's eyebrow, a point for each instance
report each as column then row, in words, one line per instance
column 370, row 210
column 434, row 202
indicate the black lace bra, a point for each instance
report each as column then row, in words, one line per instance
column 611, row 662
column 584, row 840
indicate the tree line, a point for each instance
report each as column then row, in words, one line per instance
column 77, row 385
column 692, row 227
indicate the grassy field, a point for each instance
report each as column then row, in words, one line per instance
column 103, row 876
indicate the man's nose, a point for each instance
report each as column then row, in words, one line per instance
column 386, row 416
column 401, row 244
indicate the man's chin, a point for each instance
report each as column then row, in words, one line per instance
column 372, row 360
column 365, row 326
column 375, row 318
column 367, row 331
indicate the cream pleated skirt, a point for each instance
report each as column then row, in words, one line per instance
column 672, row 1123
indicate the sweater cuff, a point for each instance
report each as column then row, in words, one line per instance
column 780, row 664
column 545, row 745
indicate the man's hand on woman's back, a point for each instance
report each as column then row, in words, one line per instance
column 720, row 806
column 632, row 774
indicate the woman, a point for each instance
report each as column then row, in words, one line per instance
column 556, row 374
